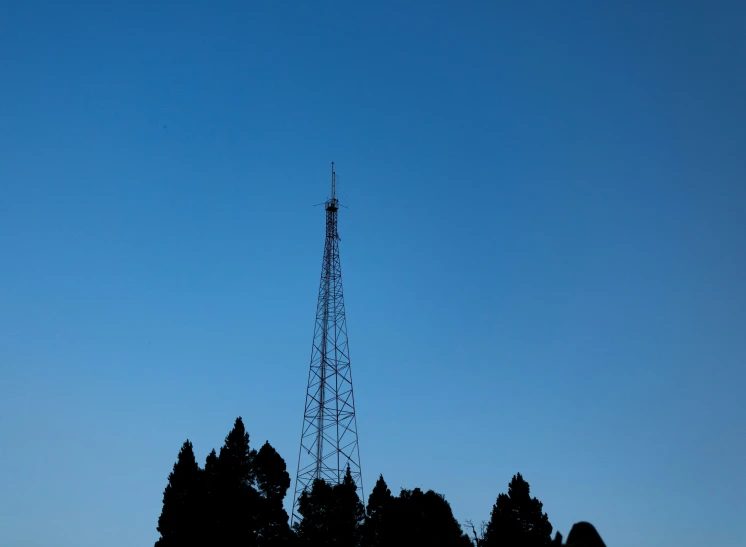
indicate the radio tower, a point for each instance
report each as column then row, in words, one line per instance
column 328, row 443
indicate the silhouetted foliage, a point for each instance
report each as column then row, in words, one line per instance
column 236, row 500
column 316, row 506
column 425, row 518
column 377, row 522
column 273, row 481
column 350, row 511
column 211, row 514
column 332, row 515
column 181, row 516
column 517, row 519
column 211, row 467
column 412, row 518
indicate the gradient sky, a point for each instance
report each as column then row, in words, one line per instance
column 544, row 254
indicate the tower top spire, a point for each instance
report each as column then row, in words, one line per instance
column 334, row 183
column 332, row 203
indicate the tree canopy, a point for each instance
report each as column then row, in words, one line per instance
column 183, row 501
column 517, row 519
column 272, row 483
column 332, row 514
column 237, row 500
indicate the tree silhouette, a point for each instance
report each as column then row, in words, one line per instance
column 180, row 523
column 273, row 481
column 238, row 500
column 211, row 502
column 332, row 515
column 349, row 510
column 375, row 532
column 235, row 499
column 316, row 506
column 426, row 518
column 517, row 519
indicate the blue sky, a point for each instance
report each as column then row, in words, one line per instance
column 544, row 253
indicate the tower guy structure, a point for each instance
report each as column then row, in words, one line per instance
column 329, row 442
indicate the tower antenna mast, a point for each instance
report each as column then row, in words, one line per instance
column 334, row 184
column 329, row 440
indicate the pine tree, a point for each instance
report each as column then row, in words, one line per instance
column 273, row 481
column 236, row 500
column 180, row 523
column 211, row 511
column 234, row 462
column 332, row 515
column 316, row 506
column 349, row 510
column 375, row 532
column 211, row 469
column 517, row 519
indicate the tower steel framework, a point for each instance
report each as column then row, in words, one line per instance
column 329, row 441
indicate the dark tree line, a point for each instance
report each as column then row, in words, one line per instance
column 236, row 499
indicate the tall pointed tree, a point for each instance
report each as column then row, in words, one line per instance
column 180, row 523
column 332, row 515
column 234, row 462
column 517, row 519
column 316, row 506
column 211, row 511
column 272, row 481
column 211, row 469
column 349, row 510
column 375, row 532
column 236, row 498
